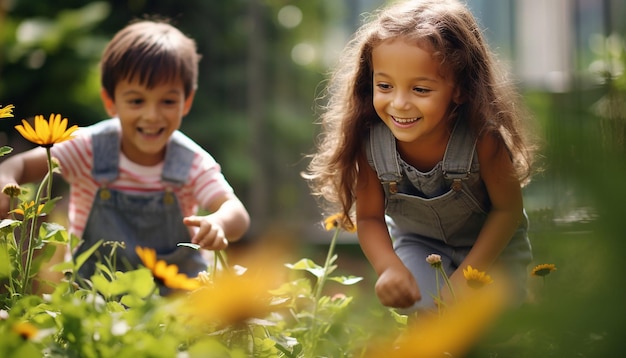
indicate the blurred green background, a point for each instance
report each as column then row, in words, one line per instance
column 264, row 64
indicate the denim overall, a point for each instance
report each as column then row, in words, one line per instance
column 441, row 211
column 151, row 220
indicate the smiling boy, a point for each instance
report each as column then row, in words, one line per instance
column 135, row 178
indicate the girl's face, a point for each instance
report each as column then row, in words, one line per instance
column 410, row 95
column 148, row 117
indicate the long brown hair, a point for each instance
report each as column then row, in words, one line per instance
column 489, row 100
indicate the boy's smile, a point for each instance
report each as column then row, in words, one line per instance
column 148, row 117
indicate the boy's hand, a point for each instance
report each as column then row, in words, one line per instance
column 397, row 288
column 4, row 206
column 210, row 235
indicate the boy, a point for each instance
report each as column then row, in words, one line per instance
column 135, row 178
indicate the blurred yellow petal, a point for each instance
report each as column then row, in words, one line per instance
column 453, row 333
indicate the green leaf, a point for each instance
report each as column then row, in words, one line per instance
column 307, row 265
column 80, row 260
column 9, row 223
column 53, row 233
column 346, row 280
column 4, row 150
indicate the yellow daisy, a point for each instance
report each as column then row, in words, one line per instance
column 165, row 274
column 25, row 330
column 25, row 206
column 543, row 270
column 338, row 220
column 475, row 278
column 7, row 111
column 47, row 133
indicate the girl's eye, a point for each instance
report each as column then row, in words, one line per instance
column 421, row 90
column 383, row 86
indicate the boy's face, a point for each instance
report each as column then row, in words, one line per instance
column 148, row 117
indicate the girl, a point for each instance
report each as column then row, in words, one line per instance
column 422, row 136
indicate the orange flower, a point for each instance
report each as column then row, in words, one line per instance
column 166, row 274
column 47, row 133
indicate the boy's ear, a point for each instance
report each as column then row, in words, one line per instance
column 188, row 102
column 109, row 104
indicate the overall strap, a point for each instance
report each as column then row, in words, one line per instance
column 178, row 159
column 384, row 155
column 105, row 141
column 457, row 160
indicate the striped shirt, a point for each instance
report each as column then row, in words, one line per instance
column 205, row 182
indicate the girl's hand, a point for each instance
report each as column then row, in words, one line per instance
column 210, row 235
column 397, row 288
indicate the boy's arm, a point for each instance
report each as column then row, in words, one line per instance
column 395, row 286
column 228, row 222
column 26, row 167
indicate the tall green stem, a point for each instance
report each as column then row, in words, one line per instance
column 312, row 341
column 31, row 247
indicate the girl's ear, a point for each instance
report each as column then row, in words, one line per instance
column 188, row 103
column 109, row 104
column 457, row 96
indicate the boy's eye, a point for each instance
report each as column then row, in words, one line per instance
column 135, row 101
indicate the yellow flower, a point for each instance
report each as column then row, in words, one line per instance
column 25, row 206
column 7, row 111
column 47, row 133
column 12, row 190
column 543, row 270
column 25, row 330
column 166, row 274
column 338, row 220
column 475, row 278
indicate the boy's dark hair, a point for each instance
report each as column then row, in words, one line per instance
column 152, row 52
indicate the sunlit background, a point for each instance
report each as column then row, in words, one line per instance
column 263, row 68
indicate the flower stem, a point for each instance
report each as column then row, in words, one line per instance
column 31, row 247
column 313, row 337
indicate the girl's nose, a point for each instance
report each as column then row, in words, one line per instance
column 400, row 100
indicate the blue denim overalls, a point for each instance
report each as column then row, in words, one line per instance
column 441, row 211
column 151, row 220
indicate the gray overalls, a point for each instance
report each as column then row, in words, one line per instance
column 151, row 220
column 441, row 211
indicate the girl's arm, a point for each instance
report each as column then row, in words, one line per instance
column 504, row 189
column 396, row 286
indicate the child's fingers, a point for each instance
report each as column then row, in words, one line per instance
column 192, row 220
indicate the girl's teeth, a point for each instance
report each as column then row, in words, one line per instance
column 404, row 120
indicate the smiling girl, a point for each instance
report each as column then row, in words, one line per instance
column 423, row 140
